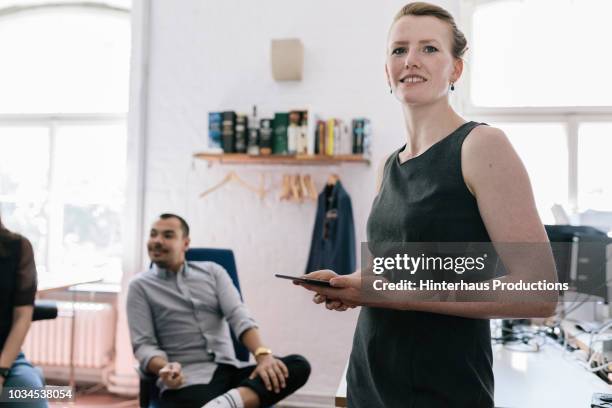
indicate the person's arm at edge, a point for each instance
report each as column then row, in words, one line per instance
column 22, row 319
column 23, row 306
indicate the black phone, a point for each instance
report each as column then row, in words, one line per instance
column 314, row 282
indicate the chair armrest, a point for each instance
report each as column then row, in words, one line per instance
column 44, row 310
column 148, row 394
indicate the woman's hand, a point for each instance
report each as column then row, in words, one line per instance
column 272, row 371
column 345, row 294
column 330, row 304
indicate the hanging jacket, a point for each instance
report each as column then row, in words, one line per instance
column 333, row 236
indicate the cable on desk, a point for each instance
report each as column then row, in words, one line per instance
column 522, row 338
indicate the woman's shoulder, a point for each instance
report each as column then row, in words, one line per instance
column 486, row 133
column 485, row 142
column 10, row 236
column 487, row 157
column 10, row 242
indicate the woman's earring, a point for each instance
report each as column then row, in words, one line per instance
column 390, row 90
column 452, row 86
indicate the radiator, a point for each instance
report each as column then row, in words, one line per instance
column 48, row 341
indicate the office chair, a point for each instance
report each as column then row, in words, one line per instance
column 149, row 392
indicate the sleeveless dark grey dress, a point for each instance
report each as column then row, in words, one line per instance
column 406, row 359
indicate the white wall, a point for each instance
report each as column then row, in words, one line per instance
column 211, row 55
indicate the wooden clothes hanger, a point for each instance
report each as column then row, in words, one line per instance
column 296, row 189
column 310, row 187
column 304, row 187
column 232, row 176
column 285, row 193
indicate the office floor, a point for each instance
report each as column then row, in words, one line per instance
column 100, row 399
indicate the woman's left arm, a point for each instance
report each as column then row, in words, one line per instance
column 497, row 178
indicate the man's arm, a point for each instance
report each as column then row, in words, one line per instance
column 155, row 364
column 232, row 307
column 271, row 370
column 142, row 331
column 251, row 340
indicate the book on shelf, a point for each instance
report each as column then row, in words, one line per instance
column 329, row 139
column 302, row 139
column 361, row 136
column 293, row 132
column 240, row 134
column 215, row 120
column 279, row 138
column 266, row 130
column 297, row 132
column 227, row 131
column 253, row 134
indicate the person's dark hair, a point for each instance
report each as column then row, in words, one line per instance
column 184, row 225
column 420, row 8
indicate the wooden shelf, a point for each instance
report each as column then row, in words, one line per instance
column 309, row 160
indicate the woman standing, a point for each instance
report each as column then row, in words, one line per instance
column 17, row 291
column 453, row 181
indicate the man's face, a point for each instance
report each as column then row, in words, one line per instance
column 167, row 244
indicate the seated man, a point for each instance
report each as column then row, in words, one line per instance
column 177, row 315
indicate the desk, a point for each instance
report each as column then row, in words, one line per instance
column 340, row 399
column 532, row 380
column 47, row 284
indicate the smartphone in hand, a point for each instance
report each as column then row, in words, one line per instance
column 314, row 282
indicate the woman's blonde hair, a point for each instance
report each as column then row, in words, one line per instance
column 419, row 8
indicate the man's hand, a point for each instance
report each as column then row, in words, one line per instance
column 171, row 374
column 345, row 294
column 272, row 372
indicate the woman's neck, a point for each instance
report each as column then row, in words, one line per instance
column 427, row 125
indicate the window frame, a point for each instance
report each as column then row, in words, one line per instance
column 52, row 121
column 569, row 116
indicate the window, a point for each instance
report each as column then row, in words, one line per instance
column 63, row 106
column 541, row 53
column 543, row 150
column 594, row 173
column 545, row 85
column 68, row 61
